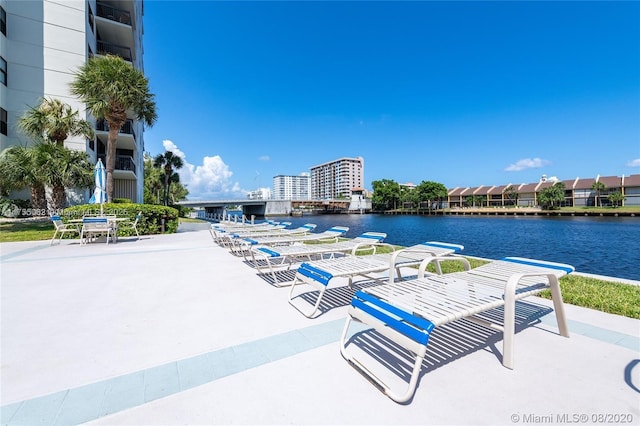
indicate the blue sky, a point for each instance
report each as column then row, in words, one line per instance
column 462, row 93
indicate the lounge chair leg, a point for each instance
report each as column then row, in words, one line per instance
column 315, row 307
column 558, row 306
column 397, row 397
column 509, row 322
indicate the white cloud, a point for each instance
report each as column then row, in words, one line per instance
column 211, row 180
column 264, row 158
column 527, row 163
column 634, row 163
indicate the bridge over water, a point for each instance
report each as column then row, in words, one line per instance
column 261, row 208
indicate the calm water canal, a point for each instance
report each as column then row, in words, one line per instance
column 598, row 245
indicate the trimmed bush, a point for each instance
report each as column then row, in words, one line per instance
column 150, row 223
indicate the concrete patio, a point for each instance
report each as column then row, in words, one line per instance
column 172, row 329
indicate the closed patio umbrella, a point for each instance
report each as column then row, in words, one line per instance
column 100, row 193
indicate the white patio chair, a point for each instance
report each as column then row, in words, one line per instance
column 132, row 225
column 62, row 228
column 93, row 227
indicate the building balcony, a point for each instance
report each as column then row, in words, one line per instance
column 125, row 167
column 126, row 136
column 127, row 127
column 104, row 48
column 113, row 13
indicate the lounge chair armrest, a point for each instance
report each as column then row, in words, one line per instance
column 437, row 259
column 371, row 246
column 329, row 239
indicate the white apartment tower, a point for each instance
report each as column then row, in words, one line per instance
column 292, row 187
column 42, row 45
column 337, row 178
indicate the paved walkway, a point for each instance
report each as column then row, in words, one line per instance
column 172, row 329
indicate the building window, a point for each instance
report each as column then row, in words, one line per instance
column 3, row 71
column 3, row 121
column 3, row 21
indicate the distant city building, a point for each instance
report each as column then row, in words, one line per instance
column 408, row 185
column 43, row 43
column 336, row 179
column 292, row 187
column 260, row 194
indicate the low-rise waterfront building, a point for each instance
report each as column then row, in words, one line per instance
column 579, row 192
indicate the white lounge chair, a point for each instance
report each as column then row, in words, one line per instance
column 319, row 274
column 277, row 232
column 243, row 245
column 225, row 236
column 279, row 258
column 406, row 312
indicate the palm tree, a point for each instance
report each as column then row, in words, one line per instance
column 511, row 194
column 168, row 161
column 62, row 167
column 152, row 181
column 598, row 187
column 110, row 87
column 54, row 121
column 19, row 169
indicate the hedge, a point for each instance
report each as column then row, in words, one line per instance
column 150, row 222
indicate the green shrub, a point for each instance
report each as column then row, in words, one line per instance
column 182, row 210
column 151, row 221
column 121, row 201
column 15, row 208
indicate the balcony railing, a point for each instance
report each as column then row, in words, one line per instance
column 113, row 14
column 127, row 127
column 105, row 48
column 123, row 162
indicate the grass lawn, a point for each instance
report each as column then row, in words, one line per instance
column 614, row 298
column 26, row 231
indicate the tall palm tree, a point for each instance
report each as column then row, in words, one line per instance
column 598, row 187
column 19, row 168
column 110, row 87
column 168, row 162
column 54, row 121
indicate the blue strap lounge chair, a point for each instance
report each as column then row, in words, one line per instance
column 407, row 312
column 243, row 245
column 319, row 274
column 272, row 259
column 228, row 237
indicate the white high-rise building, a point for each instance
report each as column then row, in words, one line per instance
column 336, row 179
column 292, row 187
column 42, row 45
column 259, row 194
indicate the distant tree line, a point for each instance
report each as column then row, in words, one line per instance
column 390, row 195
